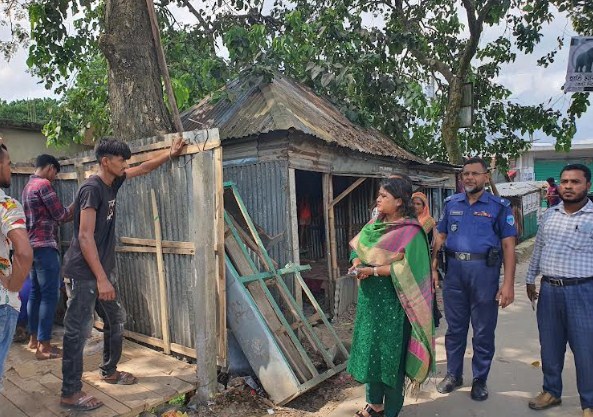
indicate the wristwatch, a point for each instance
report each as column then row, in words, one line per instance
column 375, row 271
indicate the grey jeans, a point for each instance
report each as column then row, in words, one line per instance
column 83, row 301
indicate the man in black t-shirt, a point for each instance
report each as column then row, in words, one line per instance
column 89, row 265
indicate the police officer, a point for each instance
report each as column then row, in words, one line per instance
column 478, row 230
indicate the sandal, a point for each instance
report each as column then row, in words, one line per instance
column 370, row 412
column 83, row 403
column 54, row 353
column 121, row 378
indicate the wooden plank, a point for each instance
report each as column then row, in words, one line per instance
column 195, row 138
column 163, row 304
column 307, row 329
column 143, row 157
column 8, row 409
column 148, row 249
column 247, row 239
column 136, row 397
column 346, row 192
column 152, row 242
column 54, row 384
column 79, row 173
column 33, row 404
column 221, row 296
column 153, row 341
column 243, row 267
column 25, row 170
column 327, row 197
column 202, row 231
column 50, row 396
column 294, row 230
column 321, row 314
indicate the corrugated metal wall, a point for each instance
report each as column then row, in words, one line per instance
column 264, row 190
column 137, row 277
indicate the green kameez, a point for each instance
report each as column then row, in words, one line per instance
column 379, row 343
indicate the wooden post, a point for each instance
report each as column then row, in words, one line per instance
column 163, row 304
column 328, row 214
column 294, row 232
column 220, row 267
column 202, row 231
column 333, row 248
column 80, row 177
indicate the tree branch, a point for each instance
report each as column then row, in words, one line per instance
column 431, row 63
column 196, row 13
column 476, row 25
column 470, row 10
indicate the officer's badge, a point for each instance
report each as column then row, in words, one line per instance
column 511, row 219
column 482, row 214
column 454, row 227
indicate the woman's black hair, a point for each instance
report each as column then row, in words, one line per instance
column 108, row 146
column 401, row 188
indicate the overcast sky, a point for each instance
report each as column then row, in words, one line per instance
column 529, row 83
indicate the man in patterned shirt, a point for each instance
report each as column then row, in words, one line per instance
column 12, row 273
column 44, row 213
column 563, row 254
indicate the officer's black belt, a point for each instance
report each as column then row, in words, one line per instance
column 466, row 256
column 563, row 282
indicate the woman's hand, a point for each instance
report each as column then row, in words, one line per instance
column 365, row 272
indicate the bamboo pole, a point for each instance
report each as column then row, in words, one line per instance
column 161, row 275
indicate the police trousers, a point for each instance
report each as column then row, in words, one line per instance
column 469, row 295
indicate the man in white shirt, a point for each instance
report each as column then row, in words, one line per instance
column 12, row 272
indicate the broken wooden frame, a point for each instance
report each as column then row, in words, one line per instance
column 249, row 263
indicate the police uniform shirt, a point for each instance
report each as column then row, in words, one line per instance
column 478, row 227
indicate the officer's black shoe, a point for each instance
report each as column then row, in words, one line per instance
column 479, row 390
column 449, row 384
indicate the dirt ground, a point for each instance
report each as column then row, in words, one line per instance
column 241, row 400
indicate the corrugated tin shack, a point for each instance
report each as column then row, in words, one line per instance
column 525, row 199
column 307, row 174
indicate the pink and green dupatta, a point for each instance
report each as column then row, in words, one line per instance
column 404, row 246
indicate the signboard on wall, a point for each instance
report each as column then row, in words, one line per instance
column 530, row 203
column 579, row 74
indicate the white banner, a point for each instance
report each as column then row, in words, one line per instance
column 579, row 74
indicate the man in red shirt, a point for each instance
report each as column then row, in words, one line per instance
column 552, row 194
column 44, row 213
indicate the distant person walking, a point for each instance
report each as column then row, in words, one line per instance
column 552, row 197
column 44, row 213
column 13, row 235
column 563, row 253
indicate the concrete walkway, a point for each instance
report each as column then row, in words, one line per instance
column 515, row 376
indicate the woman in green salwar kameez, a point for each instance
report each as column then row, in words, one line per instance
column 391, row 258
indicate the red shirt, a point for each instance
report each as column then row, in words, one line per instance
column 44, row 211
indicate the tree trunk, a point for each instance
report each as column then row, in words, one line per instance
column 451, row 122
column 135, row 90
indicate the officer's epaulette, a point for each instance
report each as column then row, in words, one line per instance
column 500, row 200
column 455, row 197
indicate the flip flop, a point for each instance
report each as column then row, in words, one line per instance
column 121, row 378
column 82, row 404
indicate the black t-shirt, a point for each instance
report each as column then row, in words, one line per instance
column 94, row 193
